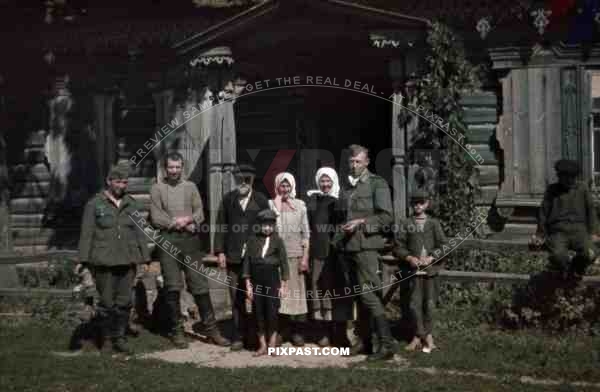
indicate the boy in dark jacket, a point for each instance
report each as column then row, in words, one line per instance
column 567, row 220
column 419, row 237
column 265, row 270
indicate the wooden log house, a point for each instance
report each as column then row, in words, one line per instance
column 101, row 83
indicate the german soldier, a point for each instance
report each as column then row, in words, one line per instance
column 368, row 211
column 112, row 243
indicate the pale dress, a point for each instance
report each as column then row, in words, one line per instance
column 292, row 226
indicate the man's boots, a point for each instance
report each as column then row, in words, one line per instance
column 119, row 326
column 175, row 328
column 210, row 322
column 103, row 323
column 387, row 344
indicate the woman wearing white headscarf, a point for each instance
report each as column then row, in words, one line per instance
column 327, row 273
column 292, row 226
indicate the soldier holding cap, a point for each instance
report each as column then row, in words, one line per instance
column 111, row 244
column 567, row 220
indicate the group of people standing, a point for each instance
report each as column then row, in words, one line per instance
column 306, row 248
column 284, row 256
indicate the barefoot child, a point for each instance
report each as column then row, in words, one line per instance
column 265, row 270
column 419, row 237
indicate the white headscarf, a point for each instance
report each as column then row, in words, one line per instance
column 285, row 176
column 290, row 178
column 335, row 187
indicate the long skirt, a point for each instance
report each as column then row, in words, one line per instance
column 294, row 302
column 327, row 296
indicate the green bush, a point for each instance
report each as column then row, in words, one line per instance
column 544, row 302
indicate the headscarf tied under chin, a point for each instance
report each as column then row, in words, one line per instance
column 335, row 187
column 285, row 176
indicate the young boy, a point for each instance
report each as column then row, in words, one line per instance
column 567, row 220
column 418, row 238
column 265, row 270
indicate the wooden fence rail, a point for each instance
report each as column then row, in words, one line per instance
column 445, row 275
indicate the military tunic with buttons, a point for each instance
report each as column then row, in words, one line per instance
column 112, row 242
column 369, row 199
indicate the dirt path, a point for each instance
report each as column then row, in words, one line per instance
column 206, row 355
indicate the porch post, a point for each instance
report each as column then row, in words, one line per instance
column 105, row 134
column 221, row 142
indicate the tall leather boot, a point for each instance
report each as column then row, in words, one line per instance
column 102, row 323
column 119, row 326
column 209, row 320
column 175, row 327
column 387, row 344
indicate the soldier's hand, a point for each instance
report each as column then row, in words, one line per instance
column 413, row 261
column 222, row 260
column 595, row 238
column 427, row 260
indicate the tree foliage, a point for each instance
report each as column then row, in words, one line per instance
column 447, row 75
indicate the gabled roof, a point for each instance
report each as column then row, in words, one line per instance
column 270, row 8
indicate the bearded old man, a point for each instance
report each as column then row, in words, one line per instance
column 235, row 221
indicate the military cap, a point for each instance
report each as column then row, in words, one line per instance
column 119, row 172
column 266, row 216
column 567, row 166
column 419, row 195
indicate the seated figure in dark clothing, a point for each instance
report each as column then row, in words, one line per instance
column 567, row 220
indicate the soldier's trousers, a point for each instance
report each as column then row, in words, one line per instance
column 114, row 287
column 368, row 283
column 573, row 237
column 184, row 254
column 417, row 296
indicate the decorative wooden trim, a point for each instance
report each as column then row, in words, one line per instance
column 558, row 55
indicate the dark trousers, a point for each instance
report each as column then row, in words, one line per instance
column 114, row 287
column 364, row 268
column 185, row 256
column 237, row 291
column 417, row 295
column 573, row 237
column 266, row 306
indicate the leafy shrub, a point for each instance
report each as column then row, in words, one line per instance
column 544, row 302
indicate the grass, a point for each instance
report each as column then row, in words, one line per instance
column 27, row 364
